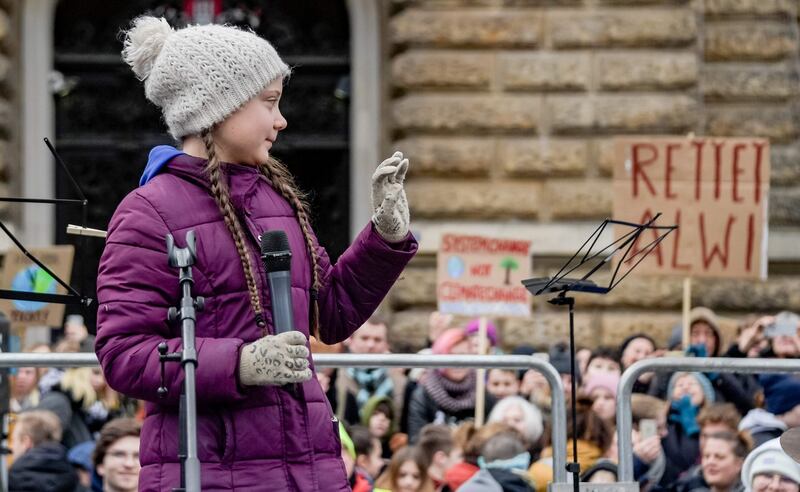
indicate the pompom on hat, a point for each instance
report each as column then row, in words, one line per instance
column 199, row 75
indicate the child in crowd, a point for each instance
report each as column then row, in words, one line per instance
column 406, row 473
column 501, row 383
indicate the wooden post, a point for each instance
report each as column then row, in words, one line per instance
column 480, row 385
column 687, row 307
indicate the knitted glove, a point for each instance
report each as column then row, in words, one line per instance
column 275, row 359
column 685, row 414
column 697, row 350
column 389, row 204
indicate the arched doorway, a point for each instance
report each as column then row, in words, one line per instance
column 105, row 127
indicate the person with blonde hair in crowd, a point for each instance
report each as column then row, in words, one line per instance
column 523, row 416
column 220, row 90
column 689, row 393
column 84, row 403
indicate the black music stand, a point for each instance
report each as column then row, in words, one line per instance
column 73, row 296
column 559, row 284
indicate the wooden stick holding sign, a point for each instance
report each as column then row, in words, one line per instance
column 480, row 384
column 687, row 308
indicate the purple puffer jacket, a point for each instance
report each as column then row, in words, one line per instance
column 249, row 438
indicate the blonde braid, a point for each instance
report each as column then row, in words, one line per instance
column 281, row 179
column 220, row 193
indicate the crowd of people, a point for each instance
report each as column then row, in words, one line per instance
column 413, row 430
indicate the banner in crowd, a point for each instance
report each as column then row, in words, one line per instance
column 481, row 276
column 21, row 274
column 714, row 189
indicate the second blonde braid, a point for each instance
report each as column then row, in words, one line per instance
column 281, row 179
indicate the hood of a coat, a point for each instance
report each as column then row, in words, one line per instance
column 758, row 420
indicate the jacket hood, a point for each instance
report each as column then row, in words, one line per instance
column 158, row 158
column 369, row 409
column 758, row 420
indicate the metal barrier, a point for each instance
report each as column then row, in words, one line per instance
column 695, row 364
column 559, row 425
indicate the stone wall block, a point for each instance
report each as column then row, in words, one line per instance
column 537, row 157
column 480, row 200
column 442, row 69
column 634, row 27
column 474, row 28
column 467, row 113
column 545, row 71
column 578, row 199
column 648, row 70
column 755, row 40
column 448, row 156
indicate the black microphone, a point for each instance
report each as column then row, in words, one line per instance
column 277, row 258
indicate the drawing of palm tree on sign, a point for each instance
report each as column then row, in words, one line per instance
column 509, row 264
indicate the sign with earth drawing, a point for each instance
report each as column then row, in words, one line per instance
column 21, row 274
column 481, row 276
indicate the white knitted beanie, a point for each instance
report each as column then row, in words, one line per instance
column 199, row 75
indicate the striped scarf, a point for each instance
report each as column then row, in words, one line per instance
column 371, row 382
column 450, row 396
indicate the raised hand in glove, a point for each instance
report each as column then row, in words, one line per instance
column 275, row 359
column 389, row 204
column 684, row 413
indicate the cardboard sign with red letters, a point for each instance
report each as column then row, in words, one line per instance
column 481, row 276
column 715, row 190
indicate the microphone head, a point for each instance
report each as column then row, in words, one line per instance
column 275, row 251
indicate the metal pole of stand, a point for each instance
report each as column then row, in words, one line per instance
column 574, row 467
column 183, row 258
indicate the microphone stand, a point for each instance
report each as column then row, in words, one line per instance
column 183, row 258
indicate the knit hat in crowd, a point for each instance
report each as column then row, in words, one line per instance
column 708, row 389
column 781, row 392
column 473, row 327
column 447, row 340
column 769, row 458
column 607, row 380
column 199, row 75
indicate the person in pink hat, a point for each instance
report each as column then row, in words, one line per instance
column 445, row 396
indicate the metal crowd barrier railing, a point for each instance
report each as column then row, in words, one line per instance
column 559, row 425
column 694, row 364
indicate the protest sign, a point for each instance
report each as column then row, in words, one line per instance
column 714, row 189
column 21, row 274
column 481, row 276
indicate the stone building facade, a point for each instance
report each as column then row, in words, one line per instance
column 506, row 109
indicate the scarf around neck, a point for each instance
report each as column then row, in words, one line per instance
column 450, row 396
column 371, row 382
